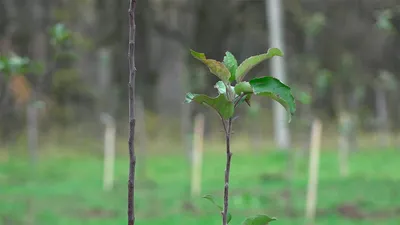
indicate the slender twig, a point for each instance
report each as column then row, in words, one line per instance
column 223, row 123
column 228, row 131
column 238, row 99
column 132, row 75
column 227, row 173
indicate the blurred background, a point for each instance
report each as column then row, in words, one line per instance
column 64, row 110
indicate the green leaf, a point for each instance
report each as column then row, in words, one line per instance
column 220, row 86
column 384, row 20
column 198, row 55
column 243, row 87
column 252, row 61
column 216, row 68
column 211, row 199
column 220, row 103
column 258, row 220
column 275, row 89
column 231, row 63
column 17, row 64
column 225, row 89
column 59, row 32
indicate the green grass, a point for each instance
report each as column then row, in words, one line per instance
column 68, row 190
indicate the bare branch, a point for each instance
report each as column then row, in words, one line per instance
column 132, row 76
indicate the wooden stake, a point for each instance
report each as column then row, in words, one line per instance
column 109, row 151
column 197, row 155
column 313, row 171
column 33, row 134
column 344, row 144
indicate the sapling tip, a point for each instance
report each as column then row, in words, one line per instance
column 230, row 97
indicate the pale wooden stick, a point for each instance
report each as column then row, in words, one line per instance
column 109, row 151
column 197, row 155
column 313, row 171
column 344, row 145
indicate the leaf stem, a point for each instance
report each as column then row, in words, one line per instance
column 227, row 172
column 237, row 100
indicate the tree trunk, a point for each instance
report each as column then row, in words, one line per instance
column 276, row 27
column 39, row 53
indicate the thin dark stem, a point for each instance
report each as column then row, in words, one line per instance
column 237, row 100
column 132, row 121
column 227, row 172
column 223, row 124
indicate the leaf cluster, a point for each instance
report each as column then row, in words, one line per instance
column 230, row 96
column 13, row 64
column 17, row 65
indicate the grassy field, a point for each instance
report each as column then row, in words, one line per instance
column 68, row 190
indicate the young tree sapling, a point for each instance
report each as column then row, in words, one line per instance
column 230, row 97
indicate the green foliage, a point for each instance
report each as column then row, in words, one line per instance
column 14, row 65
column 243, row 87
column 59, row 34
column 220, row 103
column 273, row 88
column 253, row 61
column 228, row 71
column 258, row 220
column 221, row 87
column 216, row 68
column 17, row 65
column 384, row 20
column 211, row 199
column 231, row 63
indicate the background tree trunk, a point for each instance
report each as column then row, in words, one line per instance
column 275, row 22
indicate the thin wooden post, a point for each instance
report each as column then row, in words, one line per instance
column 109, row 151
column 312, row 189
column 344, row 143
column 32, row 131
column 197, row 155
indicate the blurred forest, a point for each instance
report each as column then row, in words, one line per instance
column 342, row 60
